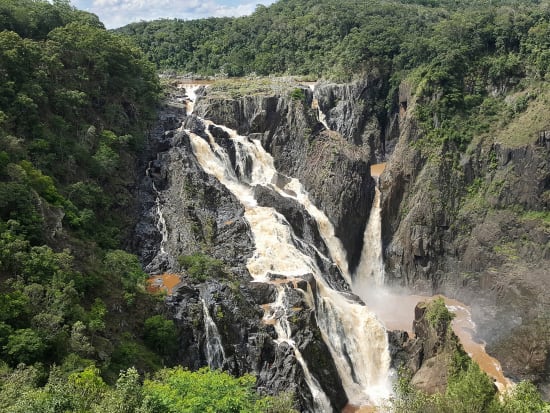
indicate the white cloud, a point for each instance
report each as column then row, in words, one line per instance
column 116, row 13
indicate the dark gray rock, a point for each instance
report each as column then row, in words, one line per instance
column 459, row 224
column 355, row 111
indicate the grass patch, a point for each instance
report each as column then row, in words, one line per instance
column 508, row 250
column 543, row 216
column 524, row 128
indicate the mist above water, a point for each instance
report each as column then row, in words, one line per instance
column 395, row 307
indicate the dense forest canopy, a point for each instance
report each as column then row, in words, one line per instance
column 339, row 38
column 75, row 104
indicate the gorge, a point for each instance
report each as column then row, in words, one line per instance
column 292, row 271
column 258, row 240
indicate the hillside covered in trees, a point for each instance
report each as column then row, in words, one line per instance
column 464, row 56
column 341, row 38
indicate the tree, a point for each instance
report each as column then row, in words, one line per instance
column 24, row 346
column 127, row 268
column 87, row 388
column 126, row 397
column 160, row 335
column 178, row 390
column 523, row 398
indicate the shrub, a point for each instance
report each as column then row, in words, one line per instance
column 200, row 267
column 298, row 94
column 438, row 314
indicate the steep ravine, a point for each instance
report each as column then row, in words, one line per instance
column 201, row 215
column 296, row 331
column 334, row 171
column 447, row 228
column 473, row 227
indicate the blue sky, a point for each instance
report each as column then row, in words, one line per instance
column 116, row 13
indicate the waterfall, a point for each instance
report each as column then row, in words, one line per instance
column 214, row 349
column 321, row 117
column 190, row 96
column 161, row 222
column 161, row 226
column 277, row 315
column 370, row 270
column 355, row 338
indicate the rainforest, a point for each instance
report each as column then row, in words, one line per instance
column 324, row 206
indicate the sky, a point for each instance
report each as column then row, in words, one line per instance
column 116, row 13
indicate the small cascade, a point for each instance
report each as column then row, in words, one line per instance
column 215, row 354
column 321, row 117
column 277, row 315
column 190, row 97
column 370, row 270
column 161, row 222
column 356, row 340
column 161, row 226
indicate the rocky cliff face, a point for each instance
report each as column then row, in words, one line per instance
column 220, row 319
column 428, row 354
column 357, row 111
column 474, row 226
column 470, row 225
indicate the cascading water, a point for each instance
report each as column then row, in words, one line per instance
column 370, row 270
column 190, row 95
column 214, row 349
column 161, row 222
column 355, row 338
column 369, row 278
column 321, row 117
column 277, row 315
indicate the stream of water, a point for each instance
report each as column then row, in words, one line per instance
column 215, row 354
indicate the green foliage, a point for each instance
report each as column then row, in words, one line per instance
column 160, row 334
column 523, row 398
column 201, row 267
column 87, row 388
column 24, row 346
column 298, row 94
column 171, row 390
column 469, row 390
column 75, row 101
column 129, row 353
column 177, row 390
column 126, row 397
column 437, row 313
column 126, row 268
column 543, row 216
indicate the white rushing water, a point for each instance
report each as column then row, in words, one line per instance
column 355, row 338
column 370, row 270
column 321, row 117
column 161, row 222
column 214, row 349
column 190, row 95
column 277, row 315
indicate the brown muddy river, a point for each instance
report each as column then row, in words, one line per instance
column 397, row 313
column 377, row 169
